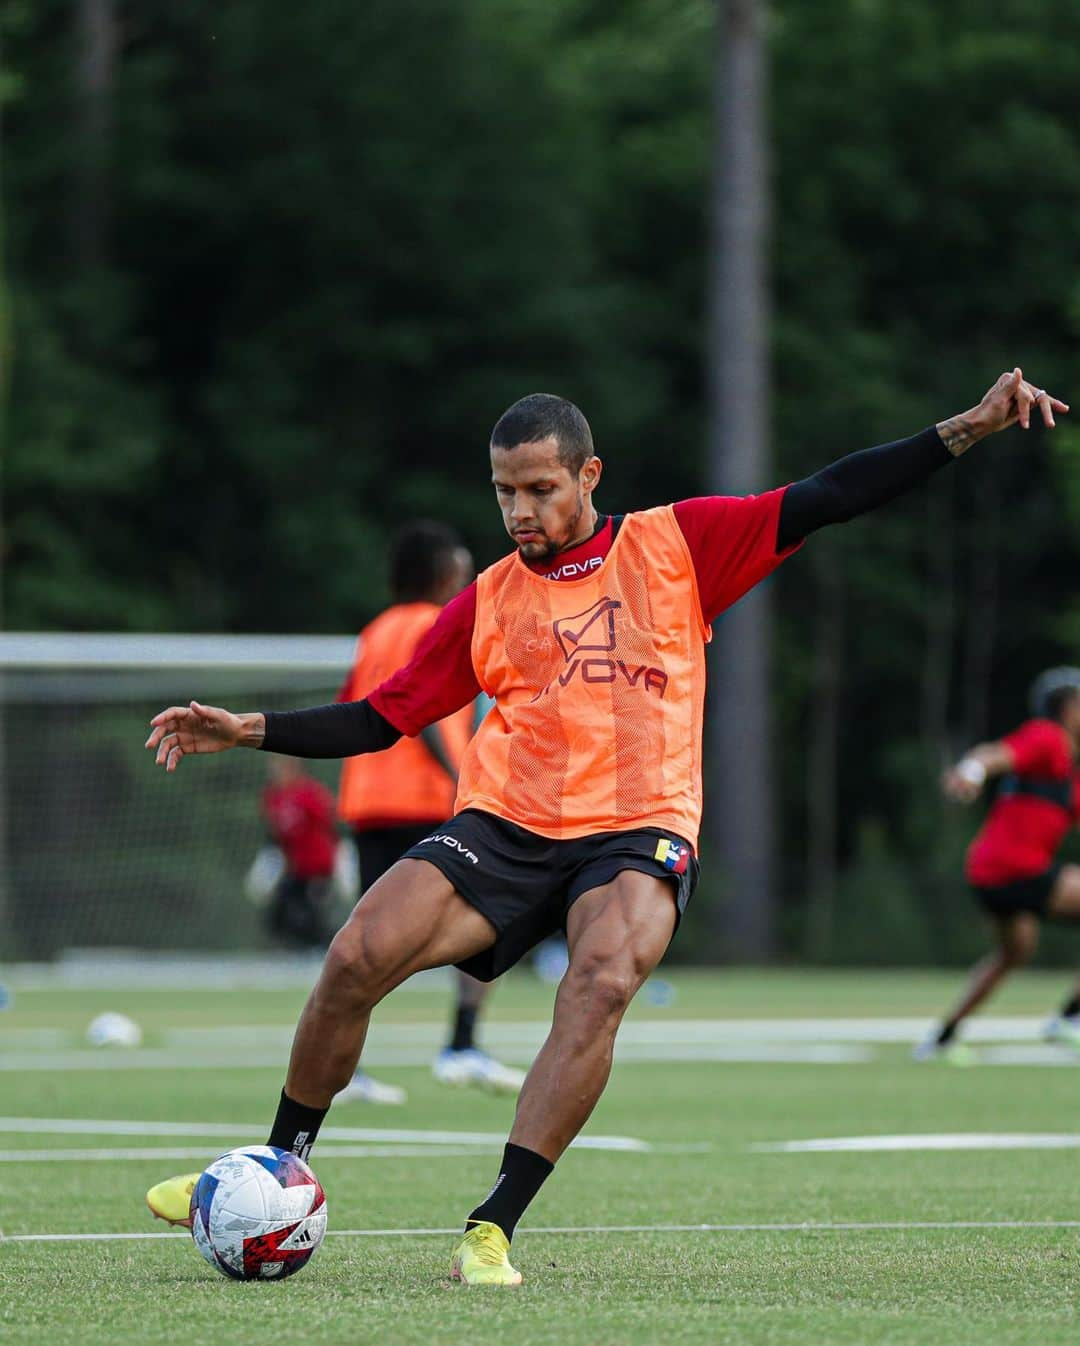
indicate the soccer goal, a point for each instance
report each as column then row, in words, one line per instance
column 101, row 849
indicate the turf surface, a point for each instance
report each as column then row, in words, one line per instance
column 888, row 1285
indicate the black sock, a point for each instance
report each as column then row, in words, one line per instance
column 520, row 1177
column 1072, row 1008
column 464, row 1024
column 946, row 1033
column 296, row 1126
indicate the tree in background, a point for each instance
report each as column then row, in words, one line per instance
column 743, row 804
column 311, row 293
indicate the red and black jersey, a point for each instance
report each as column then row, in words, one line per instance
column 732, row 545
column 301, row 819
column 1035, row 806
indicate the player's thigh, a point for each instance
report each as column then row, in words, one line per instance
column 1064, row 902
column 1017, row 935
column 625, row 924
column 413, row 917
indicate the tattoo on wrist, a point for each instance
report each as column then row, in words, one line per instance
column 958, row 434
column 254, row 731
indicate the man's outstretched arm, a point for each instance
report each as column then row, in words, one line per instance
column 864, row 480
column 343, row 729
column 438, row 680
column 964, row 781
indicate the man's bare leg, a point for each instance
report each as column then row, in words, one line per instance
column 1064, row 905
column 411, row 919
column 1017, row 938
column 616, row 935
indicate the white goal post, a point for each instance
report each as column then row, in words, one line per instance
column 100, row 849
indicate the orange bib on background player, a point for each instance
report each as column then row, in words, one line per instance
column 403, row 784
column 599, row 685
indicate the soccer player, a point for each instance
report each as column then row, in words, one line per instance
column 299, row 813
column 579, row 797
column 1010, row 865
column 392, row 800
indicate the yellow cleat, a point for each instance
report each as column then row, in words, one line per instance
column 171, row 1200
column 481, row 1258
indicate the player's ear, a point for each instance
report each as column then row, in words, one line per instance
column 590, row 473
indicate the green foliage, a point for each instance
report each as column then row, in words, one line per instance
column 341, row 239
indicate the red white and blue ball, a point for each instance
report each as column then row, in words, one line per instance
column 258, row 1213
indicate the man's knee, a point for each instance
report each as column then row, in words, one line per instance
column 1019, row 946
column 601, row 989
column 357, row 964
column 1017, row 953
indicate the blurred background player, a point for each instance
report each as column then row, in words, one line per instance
column 1011, row 865
column 391, row 800
column 300, row 814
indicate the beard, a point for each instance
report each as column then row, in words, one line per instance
column 548, row 550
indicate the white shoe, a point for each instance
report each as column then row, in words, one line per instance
column 1064, row 1030
column 474, row 1067
column 363, row 1089
column 953, row 1053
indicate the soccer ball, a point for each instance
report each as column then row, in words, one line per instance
column 258, row 1213
column 113, row 1030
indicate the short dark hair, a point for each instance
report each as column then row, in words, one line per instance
column 545, row 416
column 1053, row 690
column 421, row 555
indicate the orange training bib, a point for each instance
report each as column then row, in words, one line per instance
column 599, row 685
column 404, row 784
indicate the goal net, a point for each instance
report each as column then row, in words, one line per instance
column 100, row 849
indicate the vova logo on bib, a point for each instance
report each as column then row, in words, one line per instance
column 590, row 647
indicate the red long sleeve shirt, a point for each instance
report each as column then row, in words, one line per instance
column 732, row 543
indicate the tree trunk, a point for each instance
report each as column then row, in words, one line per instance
column 982, row 608
column 95, row 62
column 822, row 774
column 7, row 930
column 940, row 621
column 741, row 824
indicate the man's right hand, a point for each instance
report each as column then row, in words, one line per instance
column 1012, row 399
column 183, row 731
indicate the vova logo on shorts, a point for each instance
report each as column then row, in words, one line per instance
column 441, row 838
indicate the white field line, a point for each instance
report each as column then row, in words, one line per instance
column 119, row 970
column 776, row 1041
column 970, row 1140
column 211, row 1152
column 163, row 1058
column 79, row 1126
column 35, row 1037
column 806, row 1227
column 658, row 1031
column 1033, row 1054
column 329, row 1152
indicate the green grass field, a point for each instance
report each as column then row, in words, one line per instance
column 967, row 1246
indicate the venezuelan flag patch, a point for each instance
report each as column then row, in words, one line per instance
column 672, row 855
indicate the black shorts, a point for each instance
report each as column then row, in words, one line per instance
column 525, row 884
column 1023, row 895
column 380, row 847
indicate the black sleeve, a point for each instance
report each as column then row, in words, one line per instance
column 858, row 483
column 344, row 729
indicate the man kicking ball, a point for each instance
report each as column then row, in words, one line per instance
column 579, row 797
